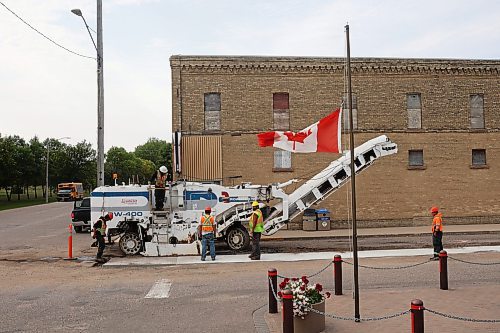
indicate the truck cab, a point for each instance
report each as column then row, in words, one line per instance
column 80, row 216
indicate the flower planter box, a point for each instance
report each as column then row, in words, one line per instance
column 312, row 322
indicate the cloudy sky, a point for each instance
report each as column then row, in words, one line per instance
column 49, row 92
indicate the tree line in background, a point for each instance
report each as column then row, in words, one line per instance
column 23, row 164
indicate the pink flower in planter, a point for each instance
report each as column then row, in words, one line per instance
column 328, row 294
column 319, row 287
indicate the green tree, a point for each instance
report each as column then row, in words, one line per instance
column 157, row 151
column 39, row 154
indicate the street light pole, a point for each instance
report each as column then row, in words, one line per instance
column 100, row 99
column 47, row 169
column 100, row 90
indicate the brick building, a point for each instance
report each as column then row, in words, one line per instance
column 443, row 114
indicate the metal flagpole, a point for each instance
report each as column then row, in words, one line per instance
column 353, row 181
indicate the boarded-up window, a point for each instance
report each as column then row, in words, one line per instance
column 282, row 159
column 416, row 157
column 414, row 108
column 478, row 156
column 212, row 111
column 345, row 112
column 477, row 111
column 281, row 112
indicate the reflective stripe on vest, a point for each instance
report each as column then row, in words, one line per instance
column 207, row 223
column 259, row 227
column 160, row 179
column 437, row 222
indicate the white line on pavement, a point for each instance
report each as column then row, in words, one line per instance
column 161, row 289
column 243, row 258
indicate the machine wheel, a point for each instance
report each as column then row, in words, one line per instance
column 238, row 239
column 130, row 243
column 78, row 229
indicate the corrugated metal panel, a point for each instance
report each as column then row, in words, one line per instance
column 202, row 158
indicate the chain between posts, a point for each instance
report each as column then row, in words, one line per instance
column 390, row 316
column 312, row 275
column 275, row 294
column 475, row 263
column 387, row 268
column 462, row 318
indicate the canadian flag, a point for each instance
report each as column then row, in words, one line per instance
column 322, row 136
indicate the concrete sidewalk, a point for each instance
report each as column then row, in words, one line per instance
column 374, row 232
column 468, row 298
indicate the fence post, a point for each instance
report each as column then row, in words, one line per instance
column 337, row 274
column 443, row 270
column 417, row 316
column 287, row 311
column 272, row 276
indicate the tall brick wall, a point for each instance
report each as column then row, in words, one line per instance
column 388, row 193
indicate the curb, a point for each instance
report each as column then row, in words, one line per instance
column 267, row 239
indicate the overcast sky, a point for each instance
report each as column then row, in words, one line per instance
column 49, row 92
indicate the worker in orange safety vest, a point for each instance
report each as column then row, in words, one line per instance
column 437, row 232
column 208, row 232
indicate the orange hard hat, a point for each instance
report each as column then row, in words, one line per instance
column 109, row 215
column 434, row 209
column 208, row 209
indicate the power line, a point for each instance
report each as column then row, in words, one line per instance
column 29, row 25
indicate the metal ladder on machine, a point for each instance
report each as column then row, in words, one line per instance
column 160, row 223
column 327, row 181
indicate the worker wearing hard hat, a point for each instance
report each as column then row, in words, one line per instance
column 208, row 232
column 256, row 224
column 437, row 232
column 159, row 179
column 99, row 230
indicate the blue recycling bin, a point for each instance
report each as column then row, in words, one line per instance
column 323, row 219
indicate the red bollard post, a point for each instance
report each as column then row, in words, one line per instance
column 272, row 277
column 417, row 316
column 337, row 274
column 443, row 270
column 70, row 243
column 287, row 311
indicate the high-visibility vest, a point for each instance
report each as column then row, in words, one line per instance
column 160, row 179
column 259, row 227
column 207, row 223
column 102, row 229
column 437, row 222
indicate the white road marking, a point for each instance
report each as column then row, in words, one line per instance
column 161, row 289
column 274, row 257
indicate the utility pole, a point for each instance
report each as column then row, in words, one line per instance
column 100, row 99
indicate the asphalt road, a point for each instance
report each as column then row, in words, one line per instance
column 68, row 296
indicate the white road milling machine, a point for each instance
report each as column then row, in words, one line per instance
column 173, row 231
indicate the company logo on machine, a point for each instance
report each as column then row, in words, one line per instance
column 129, row 201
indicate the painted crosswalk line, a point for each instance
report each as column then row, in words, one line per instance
column 161, row 289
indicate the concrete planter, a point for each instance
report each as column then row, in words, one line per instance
column 312, row 322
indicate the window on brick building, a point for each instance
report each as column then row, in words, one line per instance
column 478, row 157
column 416, row 158
column 477, row 111
column 281, row 112
column 414, row 109
column 212, row 111
column 282, row 160
column 345, row 111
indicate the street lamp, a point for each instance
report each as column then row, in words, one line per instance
column 100, row 90
column 47, row 169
